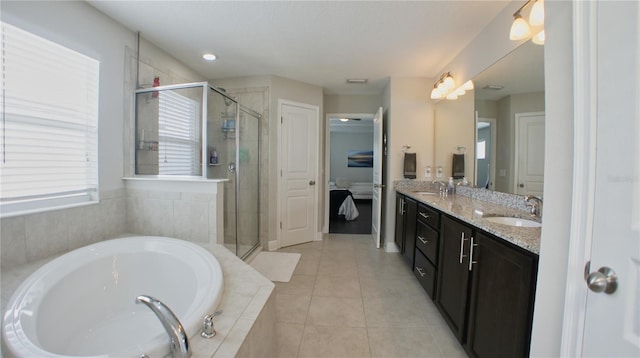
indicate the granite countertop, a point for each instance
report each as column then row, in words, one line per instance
column 474, row 212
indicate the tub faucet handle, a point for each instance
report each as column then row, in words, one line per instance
column 208, row 331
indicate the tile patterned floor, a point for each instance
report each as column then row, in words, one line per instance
column 348, row 299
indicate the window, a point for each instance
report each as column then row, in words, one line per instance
column 48, row 129
column 480, row 149
column 179, row 147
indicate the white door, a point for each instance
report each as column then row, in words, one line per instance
column 529, row 165
column 299, row 166
column 612, row 321
column 376, row 203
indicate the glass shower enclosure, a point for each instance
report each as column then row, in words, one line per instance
column 196, row 129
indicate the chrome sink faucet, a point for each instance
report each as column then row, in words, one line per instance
column 536, row 205
column 179, row 341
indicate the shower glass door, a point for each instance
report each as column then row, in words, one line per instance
column 221, row 158
column 248, row 138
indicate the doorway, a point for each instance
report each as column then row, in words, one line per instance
column 349, row 173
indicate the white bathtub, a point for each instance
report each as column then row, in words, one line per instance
column 83, row 302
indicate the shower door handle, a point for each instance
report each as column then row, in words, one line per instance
column 312, row 182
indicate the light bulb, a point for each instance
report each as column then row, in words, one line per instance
column 468, row 86
column 209, row 56
column 538, row 39
column 435, row 94
column 536, row 16
column 519, row 29
column 449, row 83
column 460, row 91
column 452, row 95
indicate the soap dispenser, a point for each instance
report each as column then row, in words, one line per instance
column 451, row 187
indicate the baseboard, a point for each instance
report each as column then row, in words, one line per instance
column 273, row 245
column 391, row 247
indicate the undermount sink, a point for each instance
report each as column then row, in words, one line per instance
column 425, row 193
column 511, row 221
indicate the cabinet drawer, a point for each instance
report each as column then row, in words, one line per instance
column 429, row 216
column 427, row 242
column 426, row 273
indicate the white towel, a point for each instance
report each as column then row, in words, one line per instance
column 348, row 209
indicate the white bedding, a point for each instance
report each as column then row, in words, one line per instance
column 348, row 209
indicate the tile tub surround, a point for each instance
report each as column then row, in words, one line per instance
column 247, row 326
column 470, row 204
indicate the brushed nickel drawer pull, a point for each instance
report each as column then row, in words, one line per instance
column 462, row 240
column 423, row 240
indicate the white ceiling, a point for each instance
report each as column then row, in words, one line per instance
column 318, row 42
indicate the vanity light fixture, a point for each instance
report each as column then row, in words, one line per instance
column 521, row 29
column 445, row 87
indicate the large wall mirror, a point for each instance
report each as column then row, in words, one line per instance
column 499, row 126
column 510, row 116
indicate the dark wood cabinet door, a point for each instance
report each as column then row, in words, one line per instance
column 453, row 276
column 410, row 221
column 502, row 295
column 399, row 236
column 425, row 272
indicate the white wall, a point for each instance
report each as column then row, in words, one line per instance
column 454, row 127
column 351, row 103
column 341, row 144
column 408, row 121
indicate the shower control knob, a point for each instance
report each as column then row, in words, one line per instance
column 312, row 182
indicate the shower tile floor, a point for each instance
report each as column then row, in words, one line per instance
column 348, row 299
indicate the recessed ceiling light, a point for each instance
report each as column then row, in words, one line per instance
column 361, row 81
column 344, row 119
column 209, row 56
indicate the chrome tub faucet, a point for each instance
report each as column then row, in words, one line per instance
column 179, row 341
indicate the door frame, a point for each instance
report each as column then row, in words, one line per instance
column 327, row 159
column 280, row 187
column 493, row 150
column 584, row 176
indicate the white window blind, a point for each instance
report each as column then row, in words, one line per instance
column 48, row 129
column 179, row 130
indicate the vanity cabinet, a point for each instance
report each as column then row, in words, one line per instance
column 405, row 233
column 485, row 291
